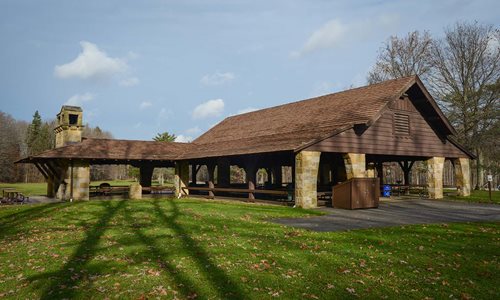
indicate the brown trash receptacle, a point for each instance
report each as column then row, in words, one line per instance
column 357, row 193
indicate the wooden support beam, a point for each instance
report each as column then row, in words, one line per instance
column 46, row 169
column 379, row 166
column 406, row 167
column 45, row 175
column 54, row 171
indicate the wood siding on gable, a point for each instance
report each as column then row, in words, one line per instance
column 381, row 138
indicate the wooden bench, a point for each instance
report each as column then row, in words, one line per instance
column 12, row 195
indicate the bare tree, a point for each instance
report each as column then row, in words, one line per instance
column 10, row 149
column 465, row 79
column 400, row 57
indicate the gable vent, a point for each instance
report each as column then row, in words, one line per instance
column 401, row 124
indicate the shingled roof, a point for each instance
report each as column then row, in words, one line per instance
column 288, row 127
column 293, row 125
column 110, row 149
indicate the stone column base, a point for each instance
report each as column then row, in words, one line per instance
column 135, row 191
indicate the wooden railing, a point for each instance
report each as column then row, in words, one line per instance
column 251, row 192
column 158, row 189
column 108, row 190
column 120, row 189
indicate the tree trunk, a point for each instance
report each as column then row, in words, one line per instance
column 479, row 170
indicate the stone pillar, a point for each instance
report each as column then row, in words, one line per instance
column 223, row 172
column 81, row 180
column 76, row 181
column 462, row 175
column 306, row 178
column 181, row 178
column 250, row 176
column 370, row 170
column 146, row 174
column 435, row 168
column 135, row 191
column 211, row 171
column 355, row 165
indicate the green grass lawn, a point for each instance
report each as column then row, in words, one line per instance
column 28, row 189
column 479, row 197
column 40, row 188
column 200, row 249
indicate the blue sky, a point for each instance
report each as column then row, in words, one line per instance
column 142, row 67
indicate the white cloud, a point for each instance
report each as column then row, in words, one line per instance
column 336, row 33
column 79, row 99
column 246, row 110
column 328, row 36
column 183, row 139
column 217, row 78
column 193, row 131
column 91, row 63
column 131, row 81
column 145, row 104
column 211, row 108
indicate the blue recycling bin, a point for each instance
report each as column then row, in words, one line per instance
column 386, row 190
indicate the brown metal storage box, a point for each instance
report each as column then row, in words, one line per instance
column 356, row 193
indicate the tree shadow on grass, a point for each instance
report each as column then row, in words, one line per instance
column 86, row 250
column 11, row 224
column 220, row 281
column 185, row 284
column 62, row 282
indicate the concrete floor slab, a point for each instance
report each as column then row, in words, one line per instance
column 397, row 212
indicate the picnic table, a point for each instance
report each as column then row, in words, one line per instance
column 12, row 195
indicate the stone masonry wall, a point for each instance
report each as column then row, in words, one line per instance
column 81, row 181
column 462, row 176
column 435, row 167
column 181, row 177
column 306, row 177
column 355, row 165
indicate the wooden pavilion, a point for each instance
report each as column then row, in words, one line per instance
column 324, row 141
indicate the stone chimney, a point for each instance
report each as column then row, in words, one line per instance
column 69, row 126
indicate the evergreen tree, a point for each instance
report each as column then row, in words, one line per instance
column 33, row 133
column 165, row 137
column 38, row 138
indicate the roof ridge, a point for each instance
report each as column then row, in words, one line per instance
column 325, row 95
column 124, row 140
